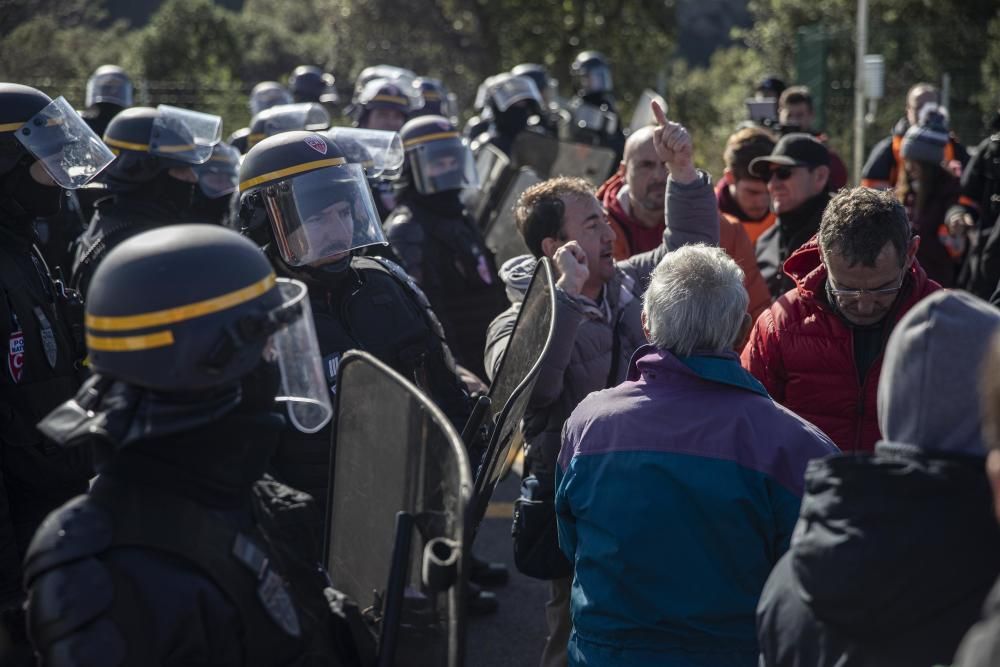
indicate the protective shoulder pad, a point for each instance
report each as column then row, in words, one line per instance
column 64, row 600
column 402, row 225
column 100, row 645
column 79, row 529
column 415, row 292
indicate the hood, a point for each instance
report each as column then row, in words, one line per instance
column 609, row 194
column 901, row 126
column 516, row 275
column 927, row 391
column 886, row 542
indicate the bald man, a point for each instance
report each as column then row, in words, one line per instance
column 634, row 197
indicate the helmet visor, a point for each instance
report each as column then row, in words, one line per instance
column 221, row 174
column 70, row 152
column 511, row 90
column 443, row 164
column 267, row 98
column 596, row 79
column 184, row 135
column 113, row 88
column 303, row 385
column 320, row 216
column 378, row 151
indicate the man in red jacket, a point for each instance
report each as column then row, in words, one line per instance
column 818, row 349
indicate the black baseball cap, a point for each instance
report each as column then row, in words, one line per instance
column 797, row 149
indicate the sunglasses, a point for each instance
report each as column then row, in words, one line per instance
column 781, row 173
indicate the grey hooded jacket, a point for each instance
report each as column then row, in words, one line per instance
column 594, row 342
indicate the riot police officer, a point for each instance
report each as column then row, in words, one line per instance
column 594, row 118
column 285, row 117
column 151, row 179
column 382, row 105
column 217, row 181
column 515, row 106
column 264, row 95
column 436, row 240
column 109, row 90
column 435, row 99
column 44, row 146
column 309, row 208
column 183, row 552
column 306, row 83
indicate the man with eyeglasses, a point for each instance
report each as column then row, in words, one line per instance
column 818, row 349
column 797, row 173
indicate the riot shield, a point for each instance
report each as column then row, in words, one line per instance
column 550, row 157
column 395, row 544
column 502, row 236
column 492, row 166
column 643, row 114
column 513, row 383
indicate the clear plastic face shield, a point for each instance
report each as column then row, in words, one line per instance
column 509, row 90
column 69, row 151
column 267, row 98
column 442, row 164
column 184, row 135
column 595, row 79
column 303, row 385
column 112, row 88
column 320, row 216
column 288, row 117
column 219, row 176
column 380, row 152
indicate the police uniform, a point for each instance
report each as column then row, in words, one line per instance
column 183, row 552
column 366, row 303
column 439, row 245
column 148, row 143
column 40, row 357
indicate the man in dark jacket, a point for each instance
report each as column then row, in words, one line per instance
column 818, row 349
column 981, row 645
column 797, row 172
column 894, row 553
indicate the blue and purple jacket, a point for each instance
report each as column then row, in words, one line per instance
column 678, row 491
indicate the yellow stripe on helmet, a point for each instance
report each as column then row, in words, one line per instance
column 180, row 313
column 130, row 343
column 430, row 137
column 291, row 171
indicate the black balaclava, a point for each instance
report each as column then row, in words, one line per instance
column 513, row 120
column 23, row 198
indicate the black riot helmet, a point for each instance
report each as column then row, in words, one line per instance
column 109, row 84
column 512, row 101
column 435, row 98
column 150, row 141
column 382, row 95
column 186, row 309
column 285, row 118
column 591, row 73
column 36, row 130
column 303, row 200
column 267, row 94
column 306, row 83
column 438, row 158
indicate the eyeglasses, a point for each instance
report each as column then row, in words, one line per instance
column 781, row 173
column 851, row 295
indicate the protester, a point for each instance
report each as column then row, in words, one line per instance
column 742, row 196
column 688, row 435
column 597, row 312
column 885, row 161
column 797, row 173
column 928, row 190
column 796, row 114
column 981, row 645
column 634, row 198
column 818, row 349
column 896, row 551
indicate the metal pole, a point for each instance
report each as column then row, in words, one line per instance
column 859, row 88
